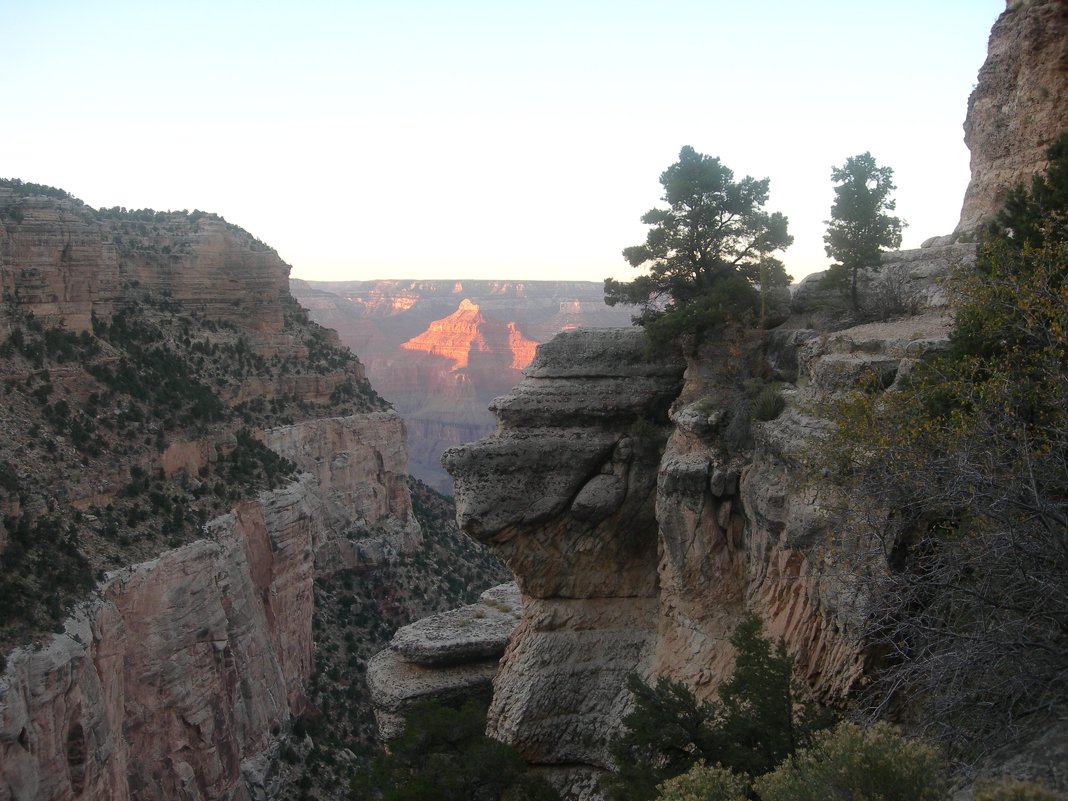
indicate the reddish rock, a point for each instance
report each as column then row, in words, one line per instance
column 1019, row 106
column 441, row 351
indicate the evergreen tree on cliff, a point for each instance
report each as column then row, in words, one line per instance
column 860, row 226
column 707, row 253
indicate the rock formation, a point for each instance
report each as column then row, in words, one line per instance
column 176, row 671
column 1020, row 105
column 440, row 351
column 564, row 493
column 622, row 575
column 443, row 658
column 139, row 450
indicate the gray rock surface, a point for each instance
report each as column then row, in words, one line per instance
column 445, row 657
column 468, row 634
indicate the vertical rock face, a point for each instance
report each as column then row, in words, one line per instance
column 182, row 668
column 1020, row 105
column 175, row 671
column 636, row 555
column 359, row 464
column 564, row 493
column 63, row 261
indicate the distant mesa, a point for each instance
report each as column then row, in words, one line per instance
column 440, row 351
column 467, row 336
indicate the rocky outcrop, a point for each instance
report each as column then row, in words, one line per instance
column 176, row 670
column 446, row 657
column 65, row 262
column 564, row 492
column 359, row 463
column 468, row 339
column 636, row 555
column 906, row 282
column 1020, row 105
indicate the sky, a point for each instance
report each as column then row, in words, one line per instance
column 497, row 139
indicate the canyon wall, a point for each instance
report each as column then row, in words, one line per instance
column 440, row 351
column 141, row 447
column 1019, row 106
column 644, row 512
column 175, row 671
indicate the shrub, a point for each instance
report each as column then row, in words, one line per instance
column 768, row 404
column 703, row 783
column 1014, row 790
column 757, row 722
column 444, row 754
column 959, row 476
column 853, row 764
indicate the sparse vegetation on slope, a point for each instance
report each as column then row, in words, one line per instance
column 959, row 479
column 88, row 416
column 356, row 615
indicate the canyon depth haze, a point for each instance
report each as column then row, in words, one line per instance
column 267, row 538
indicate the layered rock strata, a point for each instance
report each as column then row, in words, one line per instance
column 359, row 463
column 636, row 556
column 1019, row 106
column 564, row 492
column 65, row 262
column 176, row 677
column 440, row 351
column 177, row 669
column 446, row 657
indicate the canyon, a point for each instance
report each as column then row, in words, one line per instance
column 168, row 545
column 643, row 525
column 441, row 351
column 189, row 466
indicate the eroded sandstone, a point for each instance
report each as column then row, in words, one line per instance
column 447, row 657
column 175, row 671
column 1019, row 106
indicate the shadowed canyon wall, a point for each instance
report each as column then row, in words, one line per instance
column 1019, row 105
column 194, row 649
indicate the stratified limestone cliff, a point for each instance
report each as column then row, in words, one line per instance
column 145, row 358
column 1019, row 106
column 64, row 261
column 564, row 493
column 636, row 555
column 175, row 671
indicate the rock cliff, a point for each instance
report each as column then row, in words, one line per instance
column 565, row 494
column 644, row 511
column 175, row 671
column 184, row 454
column 1019, row 106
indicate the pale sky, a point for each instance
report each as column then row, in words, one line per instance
column 497, row 139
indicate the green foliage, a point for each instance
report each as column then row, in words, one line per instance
column 1036, row 215
column 769, row 404
column 854, row 764
column 714, row 230
column 860, row 226
column 42, row 571
column 704, row 783
column 1014, row 790
column 969, row 456
column 26, row 189
column 152, row 372
column 251, row 463
column 444, row 754
column 758, row 721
